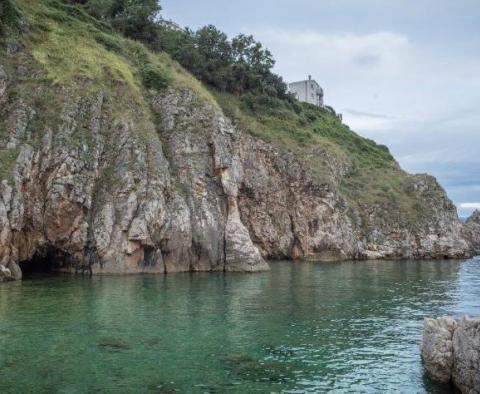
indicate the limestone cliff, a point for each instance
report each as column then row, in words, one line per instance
column 473, row 224
column 102, row 173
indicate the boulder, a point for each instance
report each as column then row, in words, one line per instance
column 451, row 352
column 5, row 274
column 473, row 224
column 437, row 348
column 466, row 362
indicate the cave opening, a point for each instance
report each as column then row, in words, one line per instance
column 48, row 261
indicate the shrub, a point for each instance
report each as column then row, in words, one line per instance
column 8, row 15
column 155, row 77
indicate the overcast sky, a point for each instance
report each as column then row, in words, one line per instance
column 405, row 73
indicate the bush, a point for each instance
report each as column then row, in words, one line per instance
column 155, row 77
column 8, row 15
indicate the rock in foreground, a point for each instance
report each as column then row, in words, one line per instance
column 451, row 352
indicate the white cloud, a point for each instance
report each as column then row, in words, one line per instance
column 297, row 50
column 417, row 97
column 470, row 205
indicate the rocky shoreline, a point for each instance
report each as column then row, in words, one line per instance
column 451, row 352
column 102, row 175
column 218, row 201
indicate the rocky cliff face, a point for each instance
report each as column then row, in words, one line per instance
column 100, row 175
column 451, row 352
column 473, row 224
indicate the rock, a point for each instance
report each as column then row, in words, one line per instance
column 15, row 270
column 473, row 224
column 5, row 274
column 466, row 365
column 474, row 218
column 437, row 348
column 3, row 83
column 451, row 352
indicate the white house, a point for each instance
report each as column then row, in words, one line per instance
column 308, row 91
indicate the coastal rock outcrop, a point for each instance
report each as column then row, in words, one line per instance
column 101, row 173
column 451, row 352
column 437, row 348
column 473, row 223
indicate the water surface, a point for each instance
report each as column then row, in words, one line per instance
column 342, row 327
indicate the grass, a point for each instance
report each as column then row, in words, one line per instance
column 373, row 179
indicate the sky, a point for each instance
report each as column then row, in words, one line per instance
column 405, row 73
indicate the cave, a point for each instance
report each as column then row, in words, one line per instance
column 46, row 262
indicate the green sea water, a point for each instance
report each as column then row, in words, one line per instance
column 300, row 328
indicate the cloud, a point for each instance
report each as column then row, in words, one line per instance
column 470, row 205
column 419, row 98
column 346, row 52
column 367, row 114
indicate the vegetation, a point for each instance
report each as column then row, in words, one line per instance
column 8, row 15
column 371, row 178
column 155, row 76
column 237, row 66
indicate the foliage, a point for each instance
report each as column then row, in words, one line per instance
column 8, row 15
column 155, row 76
column 133, row 18
column 238, row 65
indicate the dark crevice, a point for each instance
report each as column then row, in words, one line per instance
column 46, row 262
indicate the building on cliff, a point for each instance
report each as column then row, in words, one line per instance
column 308, row 91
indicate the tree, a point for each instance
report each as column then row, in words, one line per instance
column 237, row 66
column 134, row 18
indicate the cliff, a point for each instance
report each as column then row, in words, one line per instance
column 473, row 224
column 113, row 159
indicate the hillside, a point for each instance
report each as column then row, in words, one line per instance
column 114, row 159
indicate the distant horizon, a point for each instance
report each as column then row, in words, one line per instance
column 406, row 78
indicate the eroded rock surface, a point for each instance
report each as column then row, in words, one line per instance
column 437, row 348
column 101, row 182
column 473, row 223
column 451, row 352
column 466, row 364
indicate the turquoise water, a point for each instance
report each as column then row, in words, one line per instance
column 343, row 327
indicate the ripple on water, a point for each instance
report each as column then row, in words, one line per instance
column 346, row 327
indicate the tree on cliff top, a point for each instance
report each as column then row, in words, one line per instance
column 133, row 18
column 237, row 65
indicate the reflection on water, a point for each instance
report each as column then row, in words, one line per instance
column 346, row 327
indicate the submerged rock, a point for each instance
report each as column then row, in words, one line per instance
column 451, row 352
column 114, row 344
